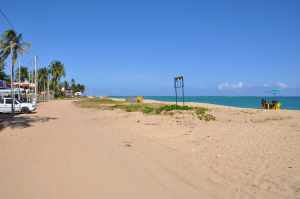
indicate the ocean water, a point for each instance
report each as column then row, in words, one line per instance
column 292, row 103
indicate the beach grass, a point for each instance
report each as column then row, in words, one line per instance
column 203, row 115
column 146, row 108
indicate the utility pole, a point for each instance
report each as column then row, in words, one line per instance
column 35, row 80
column 44, row 90
column 48, row 93
column 12, row 79
column 19, row 96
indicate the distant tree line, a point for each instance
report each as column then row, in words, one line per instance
column 75, row 87
column 11, row 44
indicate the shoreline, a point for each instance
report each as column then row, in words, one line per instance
column 208, row 105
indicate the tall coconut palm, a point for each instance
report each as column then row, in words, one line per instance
column 81, row 88
column 22, row 73
column 11, row 43
column 66, row 84
column 3, row 75
column 73, row 85
column 42, row 78
column 57, row 71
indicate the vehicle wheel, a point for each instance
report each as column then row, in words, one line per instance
column 25, row 110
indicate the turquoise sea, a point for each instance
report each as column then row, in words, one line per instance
column 292, row 103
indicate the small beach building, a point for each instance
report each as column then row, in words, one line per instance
column 68, row 93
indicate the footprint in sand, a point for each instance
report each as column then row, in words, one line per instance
column 127, row 143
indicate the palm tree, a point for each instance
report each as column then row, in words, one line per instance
column 11, row 43
column 73, row 85
column 3, row 75
column 22, row 73
column 42, row 78
column 57, row 71
column 81, row 88
column 66, row 84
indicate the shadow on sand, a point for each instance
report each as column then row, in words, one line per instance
column 21, row 120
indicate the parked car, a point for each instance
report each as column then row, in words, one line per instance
column 78, row 94
column 20, row 107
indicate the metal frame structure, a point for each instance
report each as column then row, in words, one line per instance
column 179, row 84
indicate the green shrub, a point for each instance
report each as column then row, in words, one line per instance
column 209, row 117
column 173, row 107
column 132, row 107
column 148, row 110
column 203, row 115
column 201, row 110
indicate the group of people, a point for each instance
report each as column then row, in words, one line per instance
column 273, row 105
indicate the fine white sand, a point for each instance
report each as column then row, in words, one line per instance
column 64, row 151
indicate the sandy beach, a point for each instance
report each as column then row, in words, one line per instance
column 64, row 151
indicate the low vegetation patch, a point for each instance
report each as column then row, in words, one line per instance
column 146, row 108
column 96, row 102
column 174, row 107
column 203, row 115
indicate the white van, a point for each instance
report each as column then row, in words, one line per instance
column 20, row 107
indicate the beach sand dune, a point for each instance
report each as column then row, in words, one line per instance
column 64, row 151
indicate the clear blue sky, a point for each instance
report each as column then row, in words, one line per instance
column 136, row 47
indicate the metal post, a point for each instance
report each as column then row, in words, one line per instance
column 182, row 91
column 175, row 86
column 35, row 80
column 12, row 79
column 48, row 94
column 44, row 92
column 19, row 96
